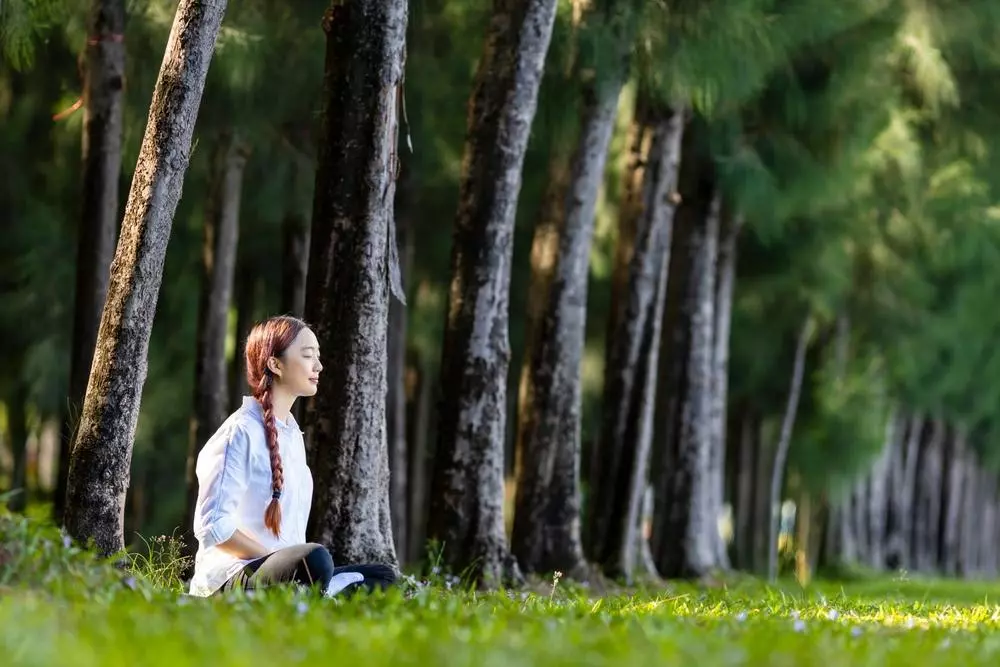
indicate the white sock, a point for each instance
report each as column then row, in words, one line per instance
column 342, row 581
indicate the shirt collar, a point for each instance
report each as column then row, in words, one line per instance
column 250, row 403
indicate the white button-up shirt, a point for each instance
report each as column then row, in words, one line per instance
column 234, row 489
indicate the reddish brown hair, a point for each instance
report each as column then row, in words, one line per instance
column 267, row 339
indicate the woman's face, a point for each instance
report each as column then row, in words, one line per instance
column 298, row 369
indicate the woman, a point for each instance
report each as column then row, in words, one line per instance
column 254, row 486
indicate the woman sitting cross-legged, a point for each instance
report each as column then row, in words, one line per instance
column 254, row 486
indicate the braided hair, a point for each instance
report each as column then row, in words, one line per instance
column 268, row 339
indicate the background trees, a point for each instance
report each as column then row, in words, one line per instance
column 693, row 185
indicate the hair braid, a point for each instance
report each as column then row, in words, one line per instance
column 272, row 515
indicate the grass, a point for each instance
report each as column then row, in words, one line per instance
column 58, row 605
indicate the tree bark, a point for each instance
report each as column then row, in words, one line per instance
column 546, row 534
column 619, row 477
column 353, row 267
column 928, row 498
column 878, row 496
column 102, row 450
column 220, row 236
column 723, row 311
column 467, row 494
column 784, row 441
column 103, row 102
column 950, row 547
column 396, row 378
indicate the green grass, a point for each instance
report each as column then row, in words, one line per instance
column 58, row 606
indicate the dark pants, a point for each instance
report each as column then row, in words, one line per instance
column 308, row 565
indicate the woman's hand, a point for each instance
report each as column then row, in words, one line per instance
column 243, row 546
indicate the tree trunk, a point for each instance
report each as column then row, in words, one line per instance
column 878, row 496
column 419, row 423
column 784, row 441
column 928, row 498
column 295, row 253
column 619, row 478
column 103, row 95
column 950, row 546
column 468, row 483
column 396, row 378
column 220, row 236
column 353, row 267
column 683, row 544
column 743, row 492
column 17, row 429
column 246, row 302
column 102, row 450
column 971, row 528
column 723, row 311
column 546, row 534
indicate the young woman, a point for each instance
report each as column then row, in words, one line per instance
column 254, row 486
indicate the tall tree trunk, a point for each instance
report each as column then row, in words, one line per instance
column 619, row 478
column 784, row 441
column 353, row 267
column 468, row 483
column 928, row 497
column 682, row 541
column 396, row 378
column 743, row 490
column 971, row 528
column 546, row 534
column 724, row 288
column 419, row 423
column 246, row 302
column 102, row 450
column 219, row 238
column 878, row 495
column 103, row 101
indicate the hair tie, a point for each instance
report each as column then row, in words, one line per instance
column 276, row 494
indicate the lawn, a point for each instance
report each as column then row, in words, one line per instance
column 57, row 607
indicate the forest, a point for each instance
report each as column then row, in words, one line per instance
column 620, row 290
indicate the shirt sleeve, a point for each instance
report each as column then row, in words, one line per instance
column 222, row 480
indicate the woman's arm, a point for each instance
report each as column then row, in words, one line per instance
column 243, row 546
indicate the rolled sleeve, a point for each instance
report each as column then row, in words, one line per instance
column 222, row 482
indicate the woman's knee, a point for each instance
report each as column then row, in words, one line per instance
column 319, row 564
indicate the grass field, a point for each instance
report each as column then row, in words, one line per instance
column 58, row 607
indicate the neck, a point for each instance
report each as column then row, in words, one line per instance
column 281, row 403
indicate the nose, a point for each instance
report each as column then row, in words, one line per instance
column 319, row 365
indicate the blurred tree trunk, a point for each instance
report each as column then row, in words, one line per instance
column 17, row 429
column 683, row 543
column 467, row 496
column 951, row 515
column 353, row 273
column 419, row 423
column 103, row 101
column 546, row 533
column 246, row 304
column 396, row 377
column 784, row 441
column 295, row 249
column 102, row 451
column 619, row 477
column 929, row 494
column 219, row 237
column 723, row 311
column 743, row 464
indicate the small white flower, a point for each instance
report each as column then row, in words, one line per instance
column 833, row 614
column 742, row 616
column 301, row 607
column 799, row 625
column 857, row 631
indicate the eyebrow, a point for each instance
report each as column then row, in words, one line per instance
column 310, row 347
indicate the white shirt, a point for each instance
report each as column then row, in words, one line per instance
column 234, row 489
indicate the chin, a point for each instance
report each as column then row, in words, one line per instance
column 310, row 389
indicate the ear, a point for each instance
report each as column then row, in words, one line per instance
column 275, row 366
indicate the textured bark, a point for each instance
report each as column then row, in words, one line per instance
column 784, row 441
column 353, row 268
column 219, row 237
column 467, row 494
column 102, row 449
column 683, row 544
column 878, row 496
column 546, row 534
column 901, row 505
column 103, row 101
column 396, row 392
column 619, row 478
column 723, row 310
